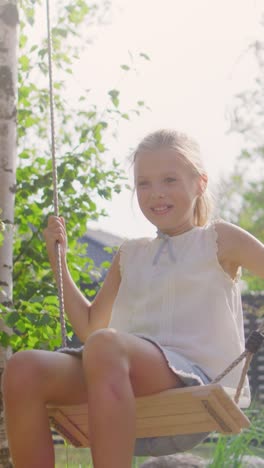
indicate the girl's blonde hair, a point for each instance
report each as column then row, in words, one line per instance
column 189, row 149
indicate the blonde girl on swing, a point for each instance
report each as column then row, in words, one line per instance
column 168, row 315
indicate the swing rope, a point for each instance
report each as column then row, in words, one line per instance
column 254, row 340
column 253, row 343
column 55, row 180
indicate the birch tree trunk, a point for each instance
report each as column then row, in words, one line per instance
column 8, row 86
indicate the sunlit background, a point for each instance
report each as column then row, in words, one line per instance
column 199, row 61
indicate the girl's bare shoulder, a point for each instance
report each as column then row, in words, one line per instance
column 238, row 247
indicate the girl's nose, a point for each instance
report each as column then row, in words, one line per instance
column 157, row 194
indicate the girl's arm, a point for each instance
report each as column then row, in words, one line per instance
column 85, row 316
column 240, row 248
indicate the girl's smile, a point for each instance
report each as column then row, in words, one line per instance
column 167, row 189
column 161, row 209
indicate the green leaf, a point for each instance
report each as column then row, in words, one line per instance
column 145, row 56
column 105, row 264
column 114, row 94
column 12, row 319
column 24, row 63
column 30, row 15
column 22, row 40
column 4, row 339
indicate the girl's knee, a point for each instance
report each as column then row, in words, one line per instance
column 19, row 373
column 103, row 350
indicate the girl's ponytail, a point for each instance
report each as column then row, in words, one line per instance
column 203, row 209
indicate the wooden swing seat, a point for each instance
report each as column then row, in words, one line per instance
column 184, row 410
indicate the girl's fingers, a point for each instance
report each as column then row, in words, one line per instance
column 52, row 219
column 60, row 239
column 56, row 231
column 56, row 221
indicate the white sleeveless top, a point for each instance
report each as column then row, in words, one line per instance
column 174, row 291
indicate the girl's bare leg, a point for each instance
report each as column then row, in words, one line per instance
column 119, row 366
column 30, row 380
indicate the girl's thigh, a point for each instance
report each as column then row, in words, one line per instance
column 148, row 369
column 58, row 378
column 53, row 377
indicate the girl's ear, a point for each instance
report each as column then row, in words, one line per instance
column 203, row 181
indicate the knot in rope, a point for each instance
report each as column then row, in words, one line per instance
column 254, row 341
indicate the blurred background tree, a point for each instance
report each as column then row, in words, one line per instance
column 241, row 195
column 86, row 172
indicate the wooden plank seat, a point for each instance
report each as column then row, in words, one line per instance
column 185, row 410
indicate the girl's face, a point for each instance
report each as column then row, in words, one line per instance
column 167, row 189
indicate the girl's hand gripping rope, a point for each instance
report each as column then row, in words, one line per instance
column 55, row 232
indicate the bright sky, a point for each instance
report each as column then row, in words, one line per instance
column 198, row 63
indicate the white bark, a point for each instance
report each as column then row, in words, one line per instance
column 8, row 45
column 8, row 87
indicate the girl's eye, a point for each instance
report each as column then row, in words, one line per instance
column 170, row 179
column 143, row 183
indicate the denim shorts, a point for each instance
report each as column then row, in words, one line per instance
column 191, row 375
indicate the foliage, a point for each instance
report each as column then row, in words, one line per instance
column 241, row 195
column 229, row 451
column 71, row 457
column 85, row 172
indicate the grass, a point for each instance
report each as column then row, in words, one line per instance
column 228, row 451
column 72, row 457
column 69, row 457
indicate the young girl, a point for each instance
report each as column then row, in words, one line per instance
column 168, row 315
